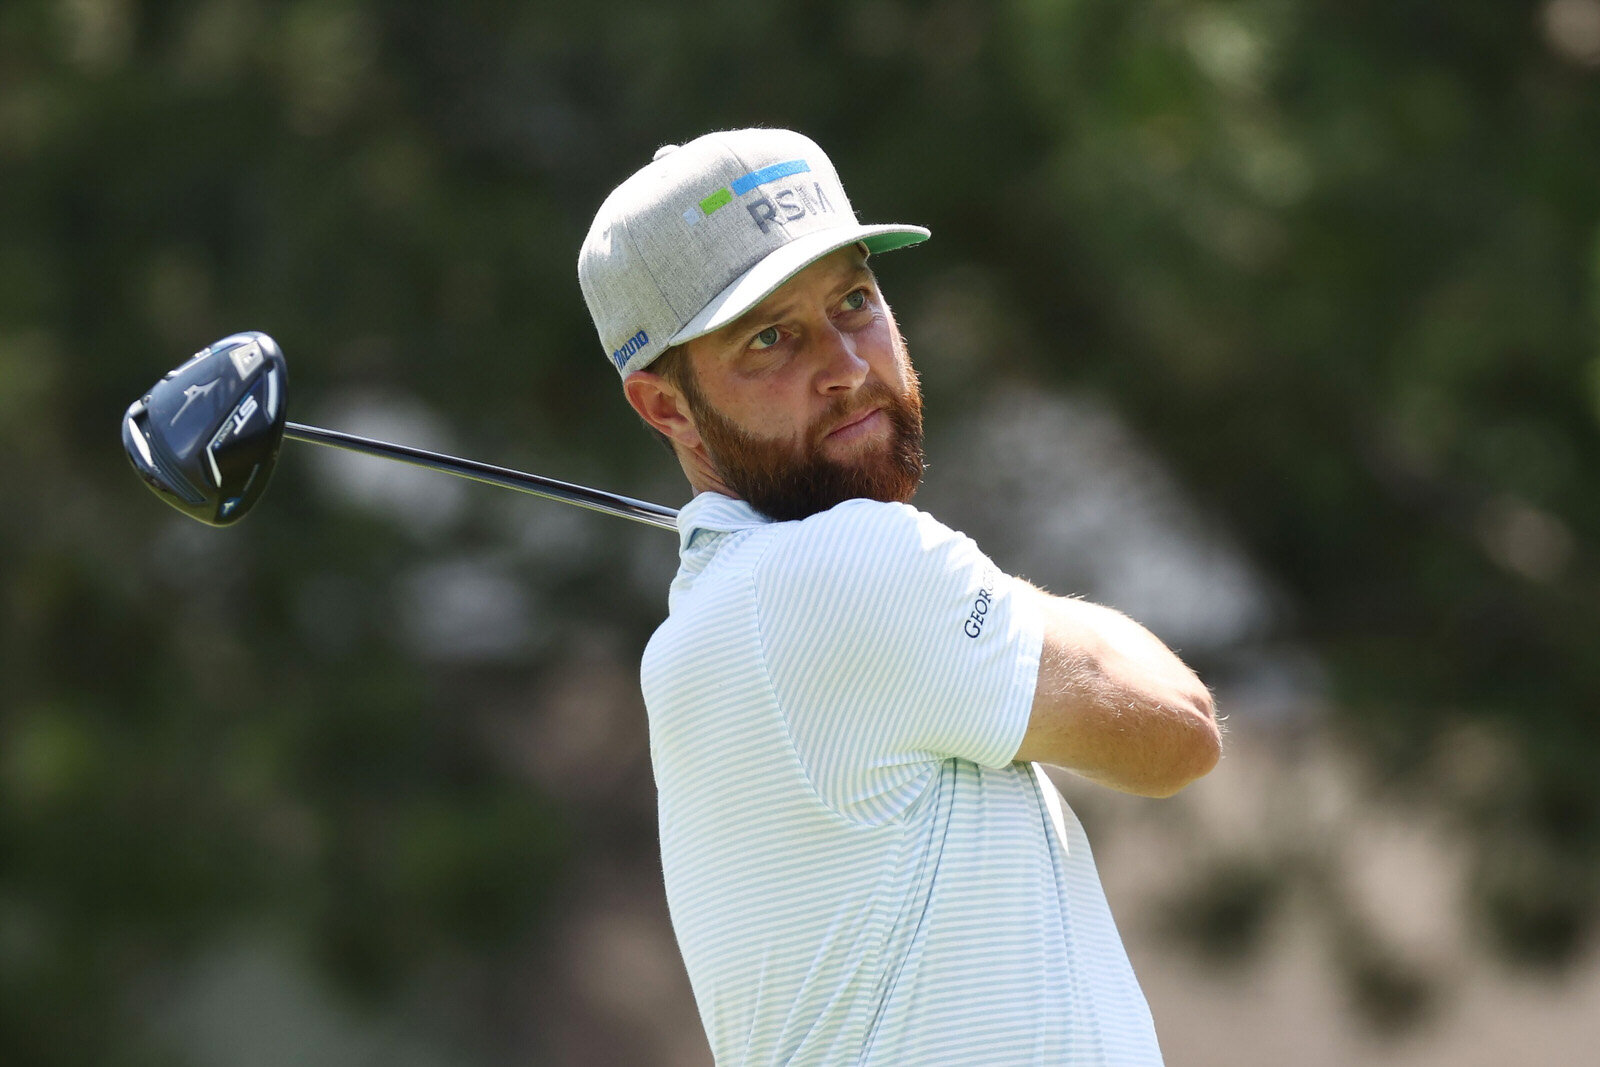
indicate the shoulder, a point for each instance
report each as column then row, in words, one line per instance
column 863, row 528
column 862, row 548
column 856, row 534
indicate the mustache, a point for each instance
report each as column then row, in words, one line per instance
column 843, row 409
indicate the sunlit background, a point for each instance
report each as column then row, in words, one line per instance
column 1271, row 322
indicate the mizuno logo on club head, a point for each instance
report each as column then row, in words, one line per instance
column 190, row 395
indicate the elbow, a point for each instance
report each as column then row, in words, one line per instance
column 1196, row 751
column 1201, row 758
column 1192, row 751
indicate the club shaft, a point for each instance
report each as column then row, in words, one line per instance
column 549, row 488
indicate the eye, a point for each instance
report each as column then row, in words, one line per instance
column 765, row 339
column 856, row 300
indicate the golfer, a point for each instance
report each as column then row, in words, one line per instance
column 847, row 700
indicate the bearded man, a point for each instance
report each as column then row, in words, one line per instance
column 863, row 864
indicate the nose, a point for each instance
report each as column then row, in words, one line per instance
column 840, row 368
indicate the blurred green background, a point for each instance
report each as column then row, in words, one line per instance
column 1272, row 322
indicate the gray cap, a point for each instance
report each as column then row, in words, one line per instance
column 707, row 231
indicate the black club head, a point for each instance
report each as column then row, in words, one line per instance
column 205, row 437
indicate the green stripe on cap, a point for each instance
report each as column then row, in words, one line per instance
column 715, row 200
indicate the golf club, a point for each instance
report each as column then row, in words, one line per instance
column 206, row 436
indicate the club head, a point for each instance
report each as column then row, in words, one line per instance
column 205, row 437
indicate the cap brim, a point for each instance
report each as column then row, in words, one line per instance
column 759, row 282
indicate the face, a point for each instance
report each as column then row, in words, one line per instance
column 809, row 399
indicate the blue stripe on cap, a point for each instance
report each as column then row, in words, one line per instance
column 769, row 174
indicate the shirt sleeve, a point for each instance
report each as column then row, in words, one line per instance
column 892, row 643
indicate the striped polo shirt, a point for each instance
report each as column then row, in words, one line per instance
column 856, row 870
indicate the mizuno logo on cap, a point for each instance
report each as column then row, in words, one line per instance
column 629, row 347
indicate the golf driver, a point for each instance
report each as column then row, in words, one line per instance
column 206, row 436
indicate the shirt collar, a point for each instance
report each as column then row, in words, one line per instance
column 712, row 514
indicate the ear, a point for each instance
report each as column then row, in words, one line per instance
column 663, row 406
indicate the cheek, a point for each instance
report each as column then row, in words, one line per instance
column 770, row 409
column 890, row 359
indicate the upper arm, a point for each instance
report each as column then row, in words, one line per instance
column 1115, row 704
column 893, row 643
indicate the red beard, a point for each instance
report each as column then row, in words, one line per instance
column 785, row 481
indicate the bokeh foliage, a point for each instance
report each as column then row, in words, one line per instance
column 1336, row 261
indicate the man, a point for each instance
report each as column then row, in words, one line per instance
column 862, row 864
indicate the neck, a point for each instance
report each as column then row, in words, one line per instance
column 703, row 477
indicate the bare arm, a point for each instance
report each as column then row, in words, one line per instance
column 1116, row 705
